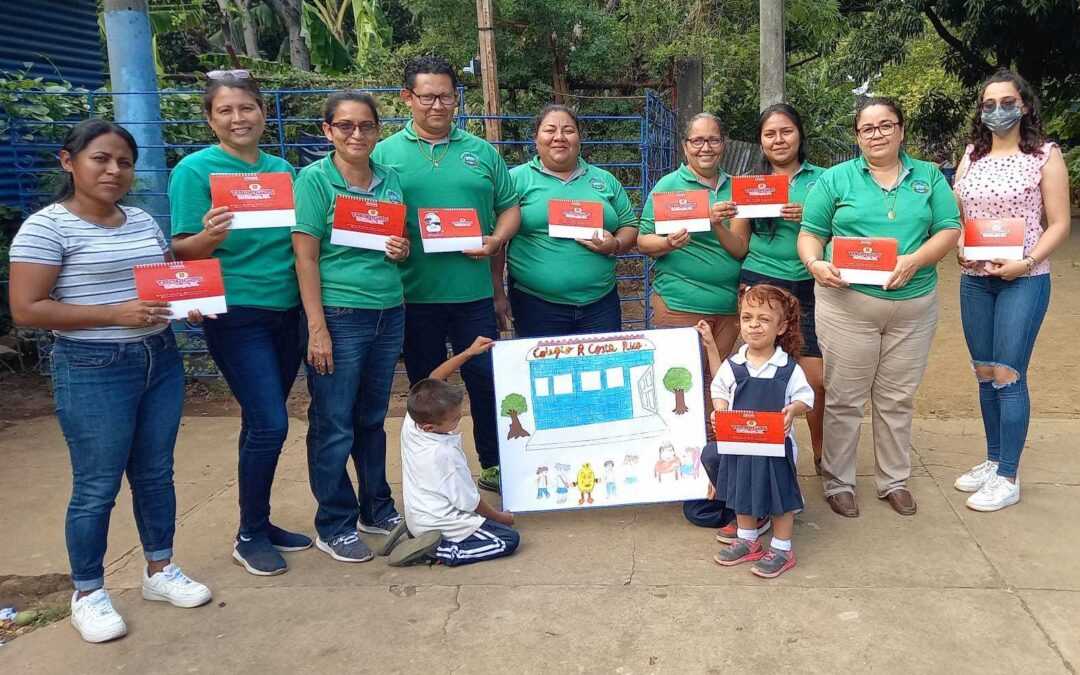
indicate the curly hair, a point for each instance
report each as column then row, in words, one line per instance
column 1031, row 131
column 791, row 341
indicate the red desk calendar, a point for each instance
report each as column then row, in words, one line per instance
column 994, row 238
column 366, row 223
column 255, row 199
column 864, row 260
column 573, row 219
column 443, row 230
column 759, row 196
column 747, row 432
column 185, row 285
column 675, row 211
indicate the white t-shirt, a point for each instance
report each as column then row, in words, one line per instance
column 436, row 484
column 798, row 389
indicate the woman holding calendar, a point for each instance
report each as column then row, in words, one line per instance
column 887, row 219
column 349, row 239
column 256, row 344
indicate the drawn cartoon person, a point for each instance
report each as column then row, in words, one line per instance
column 585, row 483
column 542, row 483
column 562, row 482
column 690, row 457
column 610, row 479
column 667, row 463
column 432, row 222
column 630, row 463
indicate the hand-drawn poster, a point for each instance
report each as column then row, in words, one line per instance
column 600, row 420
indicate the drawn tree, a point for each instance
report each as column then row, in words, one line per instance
column 512, row 406
column 677, row 380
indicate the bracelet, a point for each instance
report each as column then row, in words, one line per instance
column 1031, row 262
column 810, row 263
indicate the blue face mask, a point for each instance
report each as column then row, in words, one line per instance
column 1000, row 119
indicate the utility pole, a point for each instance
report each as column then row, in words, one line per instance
column 689, row 95
column 135, row 94
column 773, row 60
column 489, row 77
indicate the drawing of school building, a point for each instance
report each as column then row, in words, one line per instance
column 597, row 390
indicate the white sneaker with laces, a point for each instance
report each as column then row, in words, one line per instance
column 95, row 618
column 173, row 586
column 974, row 479
column 995, row 494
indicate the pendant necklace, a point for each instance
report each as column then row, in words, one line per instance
column 430, row 155
column 895, row 190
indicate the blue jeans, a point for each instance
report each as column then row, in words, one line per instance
column 427, row 328
column 258, row 353
column 119, row 405
column 1001, row 321
column 346, row 415
column 536, row 317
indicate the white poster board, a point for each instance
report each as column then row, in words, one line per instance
column 600, row 420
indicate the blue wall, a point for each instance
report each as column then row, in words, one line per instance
column 54, row 35
column 606, row 404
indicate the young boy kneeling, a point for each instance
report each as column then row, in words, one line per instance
column 439, row 492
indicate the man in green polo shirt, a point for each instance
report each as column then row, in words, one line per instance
column 452, row 296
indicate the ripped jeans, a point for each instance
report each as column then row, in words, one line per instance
column 1001, row 321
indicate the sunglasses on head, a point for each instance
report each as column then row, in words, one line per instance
column 237, row 74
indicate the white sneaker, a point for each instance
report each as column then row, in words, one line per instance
column 974, row 479
column 995, row 494
column 172, row 586
column 94, row 617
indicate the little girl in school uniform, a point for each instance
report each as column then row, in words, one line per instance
column 762, row 376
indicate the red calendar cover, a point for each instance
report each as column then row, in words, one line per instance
column 759, row 196
column 573, row 219
column 994, row 238
column 366, row 223
column 747, row 432
column 864, row 260
column 443, row 230
column 185, row 285
column 675, row 211
column 255, row 199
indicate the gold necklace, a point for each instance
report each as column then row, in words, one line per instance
column 895, row 190
column 430, row 156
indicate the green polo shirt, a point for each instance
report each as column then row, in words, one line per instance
column 470, row 174
column 562, row 270
column 702, row 276
column 848, row 202
column 257, row 264
column 772, row 240
column 351, row 277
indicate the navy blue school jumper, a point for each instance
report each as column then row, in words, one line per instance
column 750, row 484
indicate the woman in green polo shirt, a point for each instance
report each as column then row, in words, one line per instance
column 773, row 258
column 875, row 339
column 566, row 286
column 697, row 274
column 256, row 345
column 355, row 325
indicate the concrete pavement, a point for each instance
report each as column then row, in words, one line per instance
column 629, row 590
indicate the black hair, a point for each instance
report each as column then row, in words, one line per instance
column 767, row 226
column 554, row 108
column 214, row 85
column 334, row 100
column 432, row 401
column 82, row 135
column 871, row 101
column 1031, row 131
column 429, row 64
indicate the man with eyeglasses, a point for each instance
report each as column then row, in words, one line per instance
column 452, row 296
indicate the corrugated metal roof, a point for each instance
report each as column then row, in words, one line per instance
column 55, row 36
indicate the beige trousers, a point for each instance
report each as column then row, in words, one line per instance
column 873, row 349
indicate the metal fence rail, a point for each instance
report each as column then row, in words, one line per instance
column 638, row 149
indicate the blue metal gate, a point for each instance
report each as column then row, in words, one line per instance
column 639, row 149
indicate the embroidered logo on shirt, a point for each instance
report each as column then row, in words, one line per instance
column 597, row 184
column 393, row 196
column 811, row 184
column 470, row 159
column 920, row 186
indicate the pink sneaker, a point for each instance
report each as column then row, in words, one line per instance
column 730, row 532
column 739, row 551
column 774, row 563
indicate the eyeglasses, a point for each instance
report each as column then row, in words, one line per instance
column 349, row 128
column 428, row 100
column 1005, row 105
column 698, row 142
column 238, row 74
column 885, row 128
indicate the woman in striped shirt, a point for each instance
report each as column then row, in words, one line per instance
column 118, row 379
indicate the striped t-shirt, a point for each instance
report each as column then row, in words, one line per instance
column 95, row 262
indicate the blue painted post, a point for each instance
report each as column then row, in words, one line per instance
column 137, row 104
